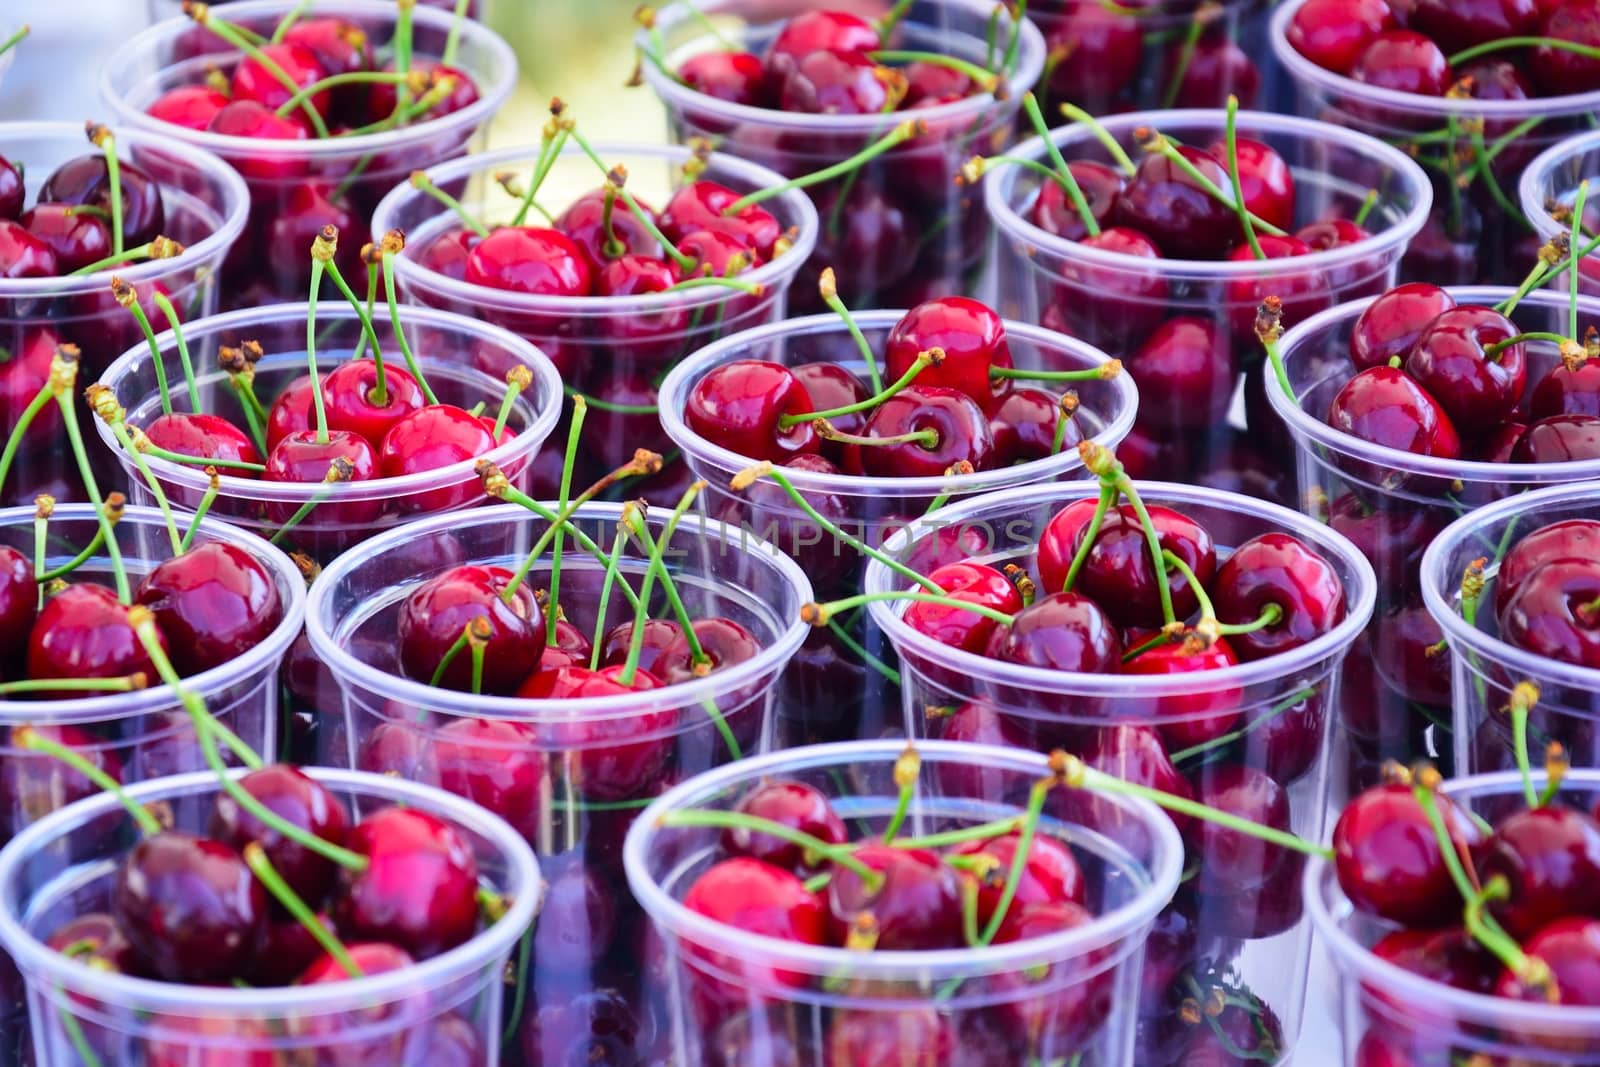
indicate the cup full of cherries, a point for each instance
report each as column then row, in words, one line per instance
column 322, row 108
column 877, row 902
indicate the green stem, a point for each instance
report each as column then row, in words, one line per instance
column 256, row 859
column 399, row 332
column 1493, row 350
column 1191, row 40
column 558, row 541
column 884, row 671
column 984, row 79
column 107, row 143
column 1019, row 858
column 14, row 442
column 120, row 257
column 827, row 287
column 1487, row 932
column 120, row 432
column 551, row 144
column 69, row 416
column 597, row 645
column 585, row 542
column 369, row 331
column 1156, row 640
column 175, row 323
column 231, row 35
column 1103, row 135
column 1099, row 373
column 1184, row 755
column 895, row 137
column 891, row 18
column 286, row 23
column 1270, row 615
column 157, row 364
column 202, row 461
column 200, row 513
column 1153, row 540
column 823, row 612
column 450, row 654
column 1500, row 45
column 403, row 40
column 25, row 737
column 906, row 770
column 920, row 364
column 335, row 81
column 421, row 182
column 927, row 439
column 1062, row 173
column 11, row 42
column 1162, row 146
column 655, row 547
column 1572, row 271
column 1368, row 202
column 1232, row 133
column 981, row 832
column 1519, row 743
column 838, row 855
column 128, row 684
column 452, row 43
column 317, row 268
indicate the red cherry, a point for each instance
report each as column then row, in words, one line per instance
column 1388, row 859
column 207, row 436
column 189, row 106
column 1188, row 719
column 32, row 786
column 1557, row 71
column 1216, row 68
column 434, row 616
column 1056, row 1006
column 213, row 604
column 1231, row 861
column 1403, row 61
column 735, row 77
column 448, row 253
column 930, row 84
column 1062, row 631
column 1024, row 427
column 1185, row 370
column 348, row 397
column 1450, row 360
column 19, row 595
column 190, row 907
column 1181, row 217
column 836, row 83
column 1265, row 177
column 83, row 632
column 1568, row 390
column 1385, row 406
column 1054, row 211
column 1552, row 614
column 381, row 100
column 86, row 180
column 1050, row 876
column 1391, row 324
column 13, row 194
column 23, row 255
column 1550, row 858
column 738, row 405
column 971, row 335
column 584, row 222
column 251, row 80
column 299, row 799
column 725, row 643
column 495, row 764
column 1114, row 38
column 757, row 898
column 527, row 259
column 952, row 626
column 818, row 31
column 1571, row 539
column 1334, row 33
column 793, row 804
column 246, row 118
column 76, row 239
column 917, row 902
column 1571, row 947
column 1559, row 439
column 959, row 427
column 1275, row 568
column 419, row 889
column 703, row 206
column 830, row 385
column 291, row 411
column 299, row 218
column 429, row 439
column 1118, row 304
column 1457, row 25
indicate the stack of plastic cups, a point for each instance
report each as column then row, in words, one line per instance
column 1549, row 187
column 297, row 187
column 901, row 229
column 570, row 775
column 1247, row 938
column 761, row 1002
column 1396, row 696
column 205, row 207
column 1476, row 233
column 614, row 350
column 1185, row 329
column 842, row 685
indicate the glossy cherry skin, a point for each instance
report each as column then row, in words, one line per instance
column 1134, row 754
column 1024, row 426
column 1557, row 71
column 1275, row 568
column 1334, row 33
column 529, row 259
column 76, row 239
column 1118, row 304
column 348, row 396
column 793, row 804
column 189, row 906
column 449, row 252
column 495, row 764
column 1404, row 61
column 585, row 222
column 734, row 77
column 960, row 428
column 1188, row 719
column 367, row 1036
column 299, row 218
column 1564, row 391
column 19, row 596
column 301, row 457
column 435, row 615
column 189, row 106
column 85, row 180
column 830, row 385
column 304, row 802
column 917, row 904
column 658, row 635
column 1552, row 613
column 1066, row 1012
column 419, row 890
column 724, row 642
column 1559, row 439
column 252, row 81
column 969, row 333
column 973, row 582
column 1550, row 857
column 1050, row 876
column 213, row 603
column 1386, row 406
column 612, row 758
column 381, row 100
column 815, row 31
column 599, row 1026
column 1061, row 631
column 1054, row 211
column 759, row 899
column 207, row 436
column 738, row 406
column 1391, row 324
column 1217, row 67
column 1179, row 215
column 291, row 411
column 13, row 194
column 704, row 206
column 246, row 118
column 1231, row 861
column 23, row 255
column 1571, row 947
column 1570, row 539
column 1265, row 177
column 83, row 632
column 1450, row 361
column 1186, row 370
column 1388, row 859
column 429, row 439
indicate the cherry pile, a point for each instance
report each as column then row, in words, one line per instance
column 1502, row 909
column 1547, row 593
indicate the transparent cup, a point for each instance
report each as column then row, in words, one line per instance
column 742, row 998
column 1485, row 666
column 1550, row 185
column 613, row 349
column 64, row 867
column 832, row 691
column 465, row 362
column 1252, row 928
column 570, row 775
column 1144, row 312
column 297, row 187
column 900, row 229
column 205, row 205
column 1475, row 234
column 1396, row 697
column 1387, row 1011
column 166, row 9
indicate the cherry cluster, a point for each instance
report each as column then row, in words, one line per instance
column 1511, row 50
column 70, row 227
column 1547, row 593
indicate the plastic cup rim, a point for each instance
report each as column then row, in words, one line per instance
column 1530, row 187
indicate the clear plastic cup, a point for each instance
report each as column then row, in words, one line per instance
column 1387, row 1011
column 465, row 362
column 206, row 206
column 65, row 867
column 297, row 187
column 570, row 775
column 1254, row 931
column 1396, row 696
column 1475, row 234
column 613, row 349
column 166, row 9
column 1142, row 311
column 1550, row 184
column 1485, row 667
column 900, row 229
column 757, row 1001
column 833, row 691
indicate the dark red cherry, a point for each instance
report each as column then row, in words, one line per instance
column 207, row 436
column 1264, row 176
column 1557, row 71
column 1568, row 390
column 429, row 439
column 529, row 259
column 737, row 406
column 1451, row 361
column 1555, row 612
column 1275, row 568
column 23, row 255
column 252, row 80
column 599, row 1026
column 213, row 603
column 818, row 31
column 793, row 804
column 355, row 1036
column 85, row 180
column 1392, row 538
column 381, row 100
column 495, row 764
column 19, row 597
column 1054, row 211
column 838, row 83
column 758, row 898
column 1391, row 324
column 1187, row 719
column 659, row 634
column 1134, row 754
column 83, row 632
column 915, row 1035
column 1385, row 406
column 1061, row 631
column 1449, row 956
column 1571, row 539
column 291, row 411
column 1057, row 1006
column 973, row 582
column 77, row 238
column 190, row 907
column 1388, row 859
column 717, row 254
column 735, row 77
column 96, row 940
column 340, row 47
column 1216, row 68
column 419, row 890
column 1303, row 292
column 1185, row 220
column 302, row 801
column 434, row 616
column 1571, row 947
column 1114, row 38
column 301, row 457
column 1559, row 439
column 1333, row 33
column 13, row 194
column 32, row 786
column 286, row 950
column 1550, row 858
column 1351, row 279
column 1024, row 426
column 917, row 904
column 349, row 397
column 931, row 84
column 299, row 217
column 1403, row 61
column 612, row 758
column 830, row 385
column 724, row 642
column 703, row 206
column 1231, row 861
column 971, row 335
column 585, row 222
column 1050, row 875
column 1185, row 371
column 1460, row 25
column 959, row 429
column 448, row 253
column 1128, row 298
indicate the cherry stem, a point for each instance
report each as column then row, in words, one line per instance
column 1184, row 755
column 453, row 41
column 969, row 911
column 1163, row 588
column 290, row 17
column 981, row 832
column 335, row 81
column 230, row 35
column 1062, row 173
column 1099, row 373
column 11, row 42
column 119, row 430
column 597, row 645
column 450, row 654
column 819, row 614
column 987, row 80
column 907, row 768
column 148, row 250
column 44, row 507
column 1503, row 43
column 1271, row 615
column 369, row 256
column 518, row 378
column 476, row 648
column 1448, row 849
column 202, row 509
column 1572, row 271
column 26, row 737
column 753, row 288
column 1491, row 936
column 131, row 683
column 828, row 289
column 1159, row 144
column 106, row 141
column 69, row 416
column 1232, row 134
column 1019, row 15
column 128, row 297
column 1114, row 149
column 175, row 324
column 1269, row 327
column 145, row 446
column 552, row 141
column 14, row 442
column 1368, row 202
column 928, row 438
column 855, row 648
column 339, row 471
column 921, row 363
column 697, row 653
column 891, row 18
column 897, row 136
column 1156, row 640
column 1019, row 857
column 1066, row 407
column 615, row 179
column 613, row 248
column 1191, row 40
column 317, row 268
column 838, row 855
column 399, row 331
column 402, row 48
column 1493, row 351
column 556, row 532
column 1523, row 696
column 1550, row 253
column 422, row 183
column 369, row 332
column 255, row 857
column 512, row 495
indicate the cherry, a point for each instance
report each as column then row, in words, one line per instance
column 34, row 786
column 1054, row 211
column 1231, row 861
column 528, row 259
column 1099, row 50
column 702, row 206
column 13, row 194
column 381, row 99
column 830, row 385
column 584, row 222
column 22, row 255
column 1216, row 67
column 1456, row 26
column 1559, row 439
column 1058, row 1007
column 1195, row 718
column 838, row 83
column 658, row 635
column 599, row 1026
column 363, row 1036
column 1557, row 71
column 301, row 800
column 1386, row 406
column 299, row 218
column 291, row 411
column 247, row 118
column 1334, row 33
column 793, row 804
column 959, row 429
column 21, row 378
column 1387, row 857
column 872, row 235
column 286, row 950
column 1050, row 876
column 1571, row 948
column 493, row 763
column 339, row 47
column 931, row 84
column 949, row 625
column 1550, row 857
column 190, row 907
column 1449, row 956
column 433, row 618
column 755, row 898
column 86, row 181
column 1275, row 568
column 97, row 940
column 1062, row 631
column 969, row 333
column 448, row 253
column 1118, row 572
column 76, row 238
column 1024, row 427
column 190, row 106
column 213, row 604
column 917, row 902
column 251, row 80
column 83, row 632
column 1391, row 324
column 1186, row 370
column 1392, row 538
column 817, row 31
column 429, row 439
column 1126, row 297
column 614, row 758
column 1265, row 177
column 1133, row 754
column 734, row 77
column 419, row 889
column 301, row 457
column 1568, row 391
column 1555, row 612
column 348, row 398
column 1364, row 277
column 1403, row 61
column 907, row 1037
column 206, row 436
column 19, row 595
column 1450, row 360
column 1571, row 539
column 1177, row 213
column 578, row 917
column 725, row 643
column 737, row 406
